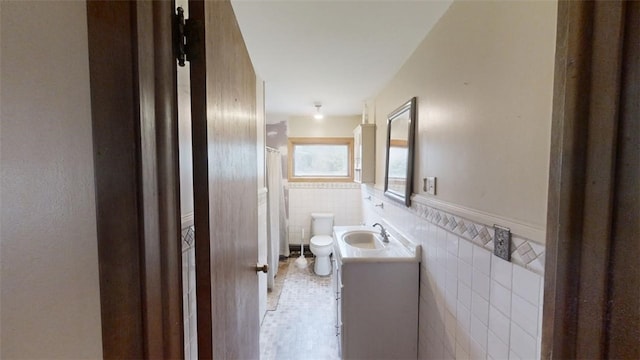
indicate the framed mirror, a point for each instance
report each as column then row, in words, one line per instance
column 398, row 176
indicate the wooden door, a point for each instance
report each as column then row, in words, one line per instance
column 223, row 107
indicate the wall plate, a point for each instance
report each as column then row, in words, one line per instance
column 430, row 185
column 502, row 242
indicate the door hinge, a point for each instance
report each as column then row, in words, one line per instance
column 186, row 37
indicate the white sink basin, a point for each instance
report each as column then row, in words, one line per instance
column 362, row 239
column 364, row 244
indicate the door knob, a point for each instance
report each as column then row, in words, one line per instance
column 264, row 268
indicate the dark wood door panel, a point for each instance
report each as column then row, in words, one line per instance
column 223, row 95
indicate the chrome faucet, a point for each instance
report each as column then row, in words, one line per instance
column 383, row 232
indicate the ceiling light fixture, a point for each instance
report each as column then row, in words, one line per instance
column 318, row 115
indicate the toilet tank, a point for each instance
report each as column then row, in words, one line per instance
column 321, row 224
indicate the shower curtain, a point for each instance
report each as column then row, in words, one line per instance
column 277, row 243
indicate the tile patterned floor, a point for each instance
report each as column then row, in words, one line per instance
column 302, row 326
column 273, row 295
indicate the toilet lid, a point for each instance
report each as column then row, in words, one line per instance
column 321, row 240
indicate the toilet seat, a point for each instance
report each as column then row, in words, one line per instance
column 322, row 240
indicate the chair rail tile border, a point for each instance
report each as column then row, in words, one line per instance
column 323, row 185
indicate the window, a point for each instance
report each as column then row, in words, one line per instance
column 320, row 159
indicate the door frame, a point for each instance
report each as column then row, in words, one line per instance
column 135, row 136
column 591, row 306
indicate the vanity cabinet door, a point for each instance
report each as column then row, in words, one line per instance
column 380, row 310
column 337, row 282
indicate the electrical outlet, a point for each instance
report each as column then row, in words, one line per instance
column 502, row 242
column 430, row 185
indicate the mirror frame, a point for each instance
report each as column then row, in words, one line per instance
column 405, row 198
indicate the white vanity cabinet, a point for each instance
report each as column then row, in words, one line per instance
column 377, row 307
column 364, row 153
column 337, row 286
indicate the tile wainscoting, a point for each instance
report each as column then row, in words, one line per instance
column 341, row 199
column 473, row 305
column 189, row 290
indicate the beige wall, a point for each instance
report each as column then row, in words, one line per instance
column 50, row 300
column 484, row 79
column 330, row 126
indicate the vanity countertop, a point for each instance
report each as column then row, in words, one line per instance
column 398, row 249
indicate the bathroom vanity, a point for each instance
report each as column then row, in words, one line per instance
column 376, row 288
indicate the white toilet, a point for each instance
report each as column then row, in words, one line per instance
column 321, row 243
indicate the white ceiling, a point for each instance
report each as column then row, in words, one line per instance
column 336, row 52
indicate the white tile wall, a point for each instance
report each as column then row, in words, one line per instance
column 500, row 298
column 501, row 273
column 480, row 308
column 464, row 295
column 525, row 315
column 463, row 326
column 526, row 284
column 481, row 283
column 464, row 272
column 343, row 200
column 496, row 348
column 522, row 344
column 478, row 332
column 465, row 250
column 482, row 260
column 473, row 305
column 189, row 293
column 499, row 324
